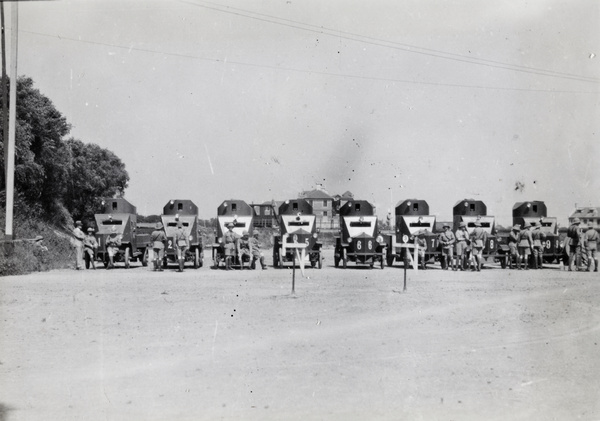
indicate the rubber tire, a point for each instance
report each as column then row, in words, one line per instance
column 196, row 259
column 145, row 258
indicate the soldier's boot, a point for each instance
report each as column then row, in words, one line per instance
column 510, row 261
column 464, row 264
column 228, row 263
column 527, row 262
column 453, row 262
column 541, row 263
column 423, row 265
column 443, row 262
column 262, row 263
column 111, row 263
column 519, row 262
column 155, row 261
column 478, row 264
column 596, row 267
column 159, row 265
column 535, row 262
column 180, row 261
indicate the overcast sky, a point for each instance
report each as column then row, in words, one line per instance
column 259, row 100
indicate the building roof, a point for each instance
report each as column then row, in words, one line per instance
column 314, row 194
column 586, row 213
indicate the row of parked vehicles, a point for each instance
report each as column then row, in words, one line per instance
column 359, row 240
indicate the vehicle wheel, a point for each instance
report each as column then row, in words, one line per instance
column 390, row 260
column 503, row 259
column 127, row 258
column 196, row 259
column 145, row 258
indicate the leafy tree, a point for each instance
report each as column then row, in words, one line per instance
column 56, row 177
column 94, row 173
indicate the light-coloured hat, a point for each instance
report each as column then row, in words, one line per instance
column 517, row 228
column 576, row 221
column 462, row 225
column 90, row 229
column 159, row 225
column 245, row 233
column 446, row 226
column 229, row 225
column 477, row 224
column 78, row 224
column 527, row 225
column 255, row 234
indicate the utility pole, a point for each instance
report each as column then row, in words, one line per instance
column 9, row 143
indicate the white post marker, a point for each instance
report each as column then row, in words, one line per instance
column 299, row 251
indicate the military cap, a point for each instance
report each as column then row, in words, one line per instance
column 159, row 225
column 90, row 229
column 477, row 224
column 576, row 221
column 590, row 227
column 229, row 225
column 517, row 228
column 245, row 233
column 462, row 225
column 583, row 227
column 78, row 224
column 527, row 225
column 446, row 226
column 255, row 234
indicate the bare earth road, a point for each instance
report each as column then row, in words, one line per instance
column 348, row 345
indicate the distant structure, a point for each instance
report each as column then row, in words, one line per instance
column 589, row 216
column 326, row 207
column 265, row 214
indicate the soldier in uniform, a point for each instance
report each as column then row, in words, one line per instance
column 525, row 245
column 230, row 239
column 538, row 246
column 478, row 240
column 447, row 241
column 182, row 244
column 574, row 232
column 244, row 248
column 256, row 253
column 419, row 240
column 90, row 246
column 113, row 242
column 513, row 240
column 462, row 245
column 79, row 237
column 158, row 238
column 592, row 238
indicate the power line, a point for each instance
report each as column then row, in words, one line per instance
column 291, row 69
column 391, row 44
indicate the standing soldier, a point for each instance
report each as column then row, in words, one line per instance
column 256, row 253
column 592, row 238
column 462, row 239
column 538, row 246
column 113, row 242
column 525, row 245
column 90, row 246
column 230, row 238
column 478, row 240
column 419, row 240
column 182, row 243
column 513, row 240
column 447, row 241
column 574, row 247
column 79, row 237
column 158, row 238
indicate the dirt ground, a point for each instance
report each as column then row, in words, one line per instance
column 348, row 345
